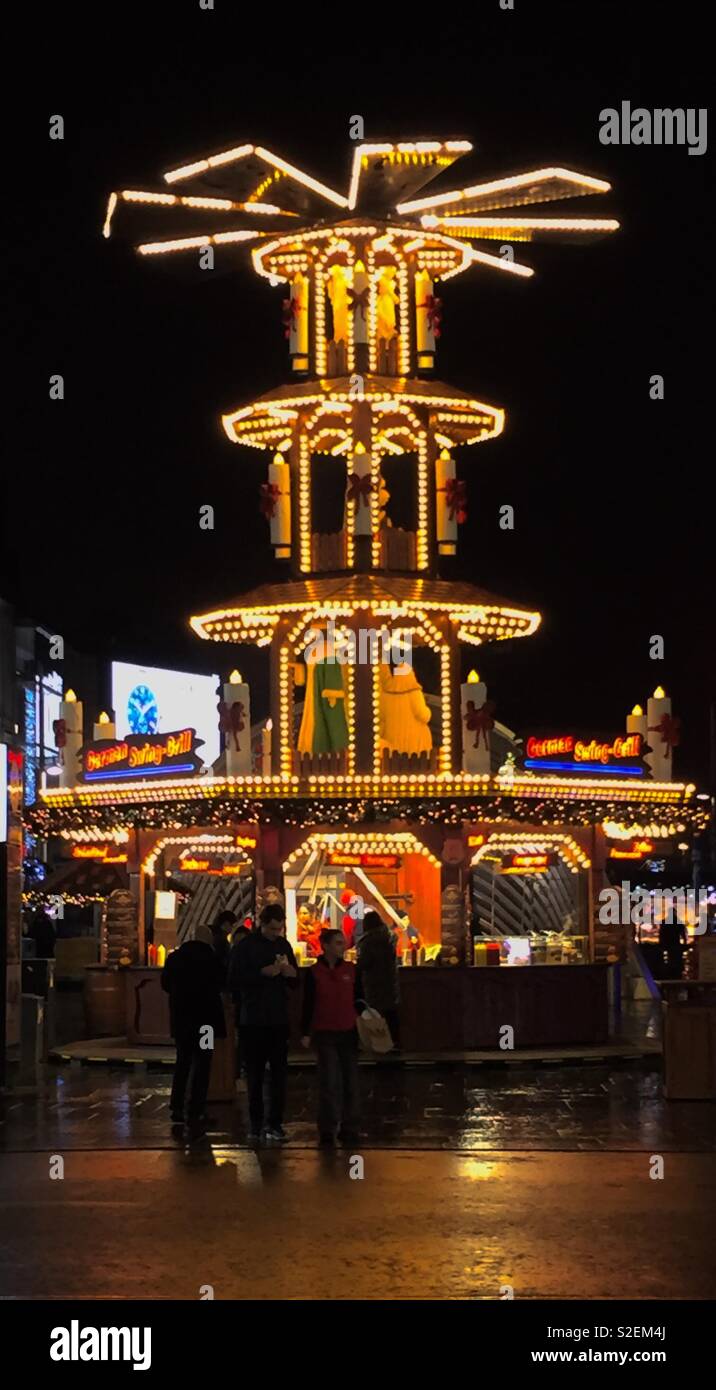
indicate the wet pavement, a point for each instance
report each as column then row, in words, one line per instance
column 467, row 1179
column 518, row 1108
column 296, row 1225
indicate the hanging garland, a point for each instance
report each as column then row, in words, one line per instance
column 350, row 811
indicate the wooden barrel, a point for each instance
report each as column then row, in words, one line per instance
column 104, row 1002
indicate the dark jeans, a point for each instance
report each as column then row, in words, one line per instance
column 237, row 1035
column 193, row 1064
column 337, row 1080
column 262, row 1045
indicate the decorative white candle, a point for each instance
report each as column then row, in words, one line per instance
column 658, row 709
column 105, row 728
column 236, row 725
column 636, row 723
column 475, row 725
column 424, row 319
column 359, row 300
column 446, row 523
column 298, row 324
column 279, row 476
column 266, row 737
column 71, row 716
column 359, row 490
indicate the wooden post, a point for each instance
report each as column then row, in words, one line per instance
column 278, row 734
column 362, row 699
column 293, row 457
column 362, row 434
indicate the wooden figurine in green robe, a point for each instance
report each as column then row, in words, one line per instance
column 324, row 728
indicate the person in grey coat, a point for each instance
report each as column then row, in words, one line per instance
column 378, row 965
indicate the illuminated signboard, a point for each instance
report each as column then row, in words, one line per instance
column 142, row 755
column 366, row 861
column 526, row 863
column 637, row 851
column 620, row 756
column 154, row 700
column 190, row 864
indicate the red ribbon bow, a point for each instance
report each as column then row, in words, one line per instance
column 434, row 308
column 480, row 721
column 291, row 309
column 456, row 498
column 269, row 495
column 670, row 730
column 359, row 300
column 360, row 487
column 231, row 720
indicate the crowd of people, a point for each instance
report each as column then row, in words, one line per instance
column 257, row 967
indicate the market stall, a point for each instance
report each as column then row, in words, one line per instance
column 383, row 779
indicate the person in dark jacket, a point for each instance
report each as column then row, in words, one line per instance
column 331, row 993
column 378, row 965
column 234, row 987
column 265, row 971
column 673, row 941
column 192, row 979
column 221, row 930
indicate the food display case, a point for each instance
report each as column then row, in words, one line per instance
column 541, row 948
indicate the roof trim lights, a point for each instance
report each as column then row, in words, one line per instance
column 585, row 182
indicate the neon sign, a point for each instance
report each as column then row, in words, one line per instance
column 366, row 860
column 621, row 756
column 142, row 755
column 526, row 864
column 637, row 851
column 188, row 863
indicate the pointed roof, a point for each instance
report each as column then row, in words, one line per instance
column 477, row 615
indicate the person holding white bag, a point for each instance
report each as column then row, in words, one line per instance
column 378, row 965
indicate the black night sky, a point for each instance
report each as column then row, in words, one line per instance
column 614, row 523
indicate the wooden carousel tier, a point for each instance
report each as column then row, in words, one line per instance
column 474, row 614
column 275, row 416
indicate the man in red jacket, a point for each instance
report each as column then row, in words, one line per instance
column 331, row 991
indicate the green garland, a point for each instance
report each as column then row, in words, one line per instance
column 179, row 814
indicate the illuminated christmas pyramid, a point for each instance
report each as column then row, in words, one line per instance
column 361, row 315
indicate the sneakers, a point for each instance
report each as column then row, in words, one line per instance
column 275, row 1134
